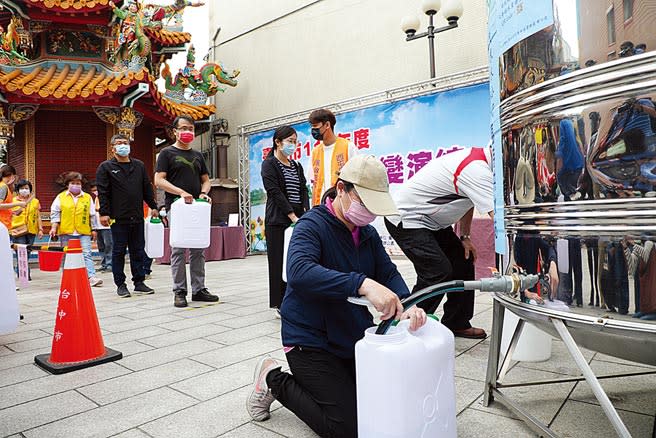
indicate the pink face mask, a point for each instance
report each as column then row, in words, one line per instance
column 357, row 214
column 186, row 137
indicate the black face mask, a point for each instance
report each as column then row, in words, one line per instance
column 316, row 134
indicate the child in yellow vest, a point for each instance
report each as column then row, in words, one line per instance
column 26, row 219
column 72, row 216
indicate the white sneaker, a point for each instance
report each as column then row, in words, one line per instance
column 95, row 281
column 259, row 401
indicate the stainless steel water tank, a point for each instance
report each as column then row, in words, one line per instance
column 577, row 121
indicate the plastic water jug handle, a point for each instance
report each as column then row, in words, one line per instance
column 359, row 301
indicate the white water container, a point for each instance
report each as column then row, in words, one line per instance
column 406, row 382
column 9, row 315
column 288, row 238
column 534, row 345
column 190, row 224
column 154, row 237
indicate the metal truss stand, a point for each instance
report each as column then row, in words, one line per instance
column 244, row 188
column 498, row 367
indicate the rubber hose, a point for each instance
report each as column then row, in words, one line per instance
column 420, row 296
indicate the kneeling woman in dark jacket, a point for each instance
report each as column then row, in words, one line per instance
column 287, row 200
column 334, row 254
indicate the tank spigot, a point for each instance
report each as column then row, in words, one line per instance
column 510, row 284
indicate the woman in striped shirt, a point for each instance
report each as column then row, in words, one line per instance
column 287, row 200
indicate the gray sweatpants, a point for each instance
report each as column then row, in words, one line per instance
column 196, row 269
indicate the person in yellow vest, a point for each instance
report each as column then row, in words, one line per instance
column 73, row 216
column 7, row 203
column 26, row 220
column 329, row 156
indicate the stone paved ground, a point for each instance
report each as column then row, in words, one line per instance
column 186, row 372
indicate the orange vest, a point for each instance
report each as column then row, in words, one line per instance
column 339, row 159
column 5, row 215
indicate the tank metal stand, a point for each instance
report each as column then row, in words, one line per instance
column 496, row 372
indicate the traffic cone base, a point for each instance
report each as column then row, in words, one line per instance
column 77, row 340
column 43, row 360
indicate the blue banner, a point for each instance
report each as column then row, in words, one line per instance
column 405, row 135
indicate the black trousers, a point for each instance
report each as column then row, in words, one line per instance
column 130, row 236
column 438, row 256
column 320, row 391
column 275, row 240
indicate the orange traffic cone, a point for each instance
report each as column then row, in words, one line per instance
column 77, row 342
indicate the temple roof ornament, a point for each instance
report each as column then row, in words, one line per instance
column 92, row 52
column 194, row 86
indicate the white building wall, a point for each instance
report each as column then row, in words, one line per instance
column 328, row 51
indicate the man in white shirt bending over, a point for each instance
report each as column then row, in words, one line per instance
column 443, row 192
column 329, row 156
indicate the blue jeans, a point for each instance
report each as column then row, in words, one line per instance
column 85, row 241
column 27, row 239
column 105, row 246
column 130, row 236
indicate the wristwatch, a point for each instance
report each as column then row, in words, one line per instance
column 465, row 236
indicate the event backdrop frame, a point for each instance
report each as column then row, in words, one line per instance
column 466, row 78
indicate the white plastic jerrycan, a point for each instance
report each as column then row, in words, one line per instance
column 534, row 345
column 9, row 315
column 406, row 383
column 288, row 238
column 190, row 224
column 154, row 237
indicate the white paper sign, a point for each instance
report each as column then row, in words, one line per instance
column 23, row 269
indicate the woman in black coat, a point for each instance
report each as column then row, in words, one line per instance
column 287, row 200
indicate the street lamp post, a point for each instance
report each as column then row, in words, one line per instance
column 452, row 11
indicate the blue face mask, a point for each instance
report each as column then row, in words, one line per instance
column 288, row 149
column 122, row 150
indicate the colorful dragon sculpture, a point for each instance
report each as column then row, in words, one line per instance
column 195, row 86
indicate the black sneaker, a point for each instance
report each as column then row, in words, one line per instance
column 123, row 291
column 143, row 289
column 204, row 295
column 180, row 300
